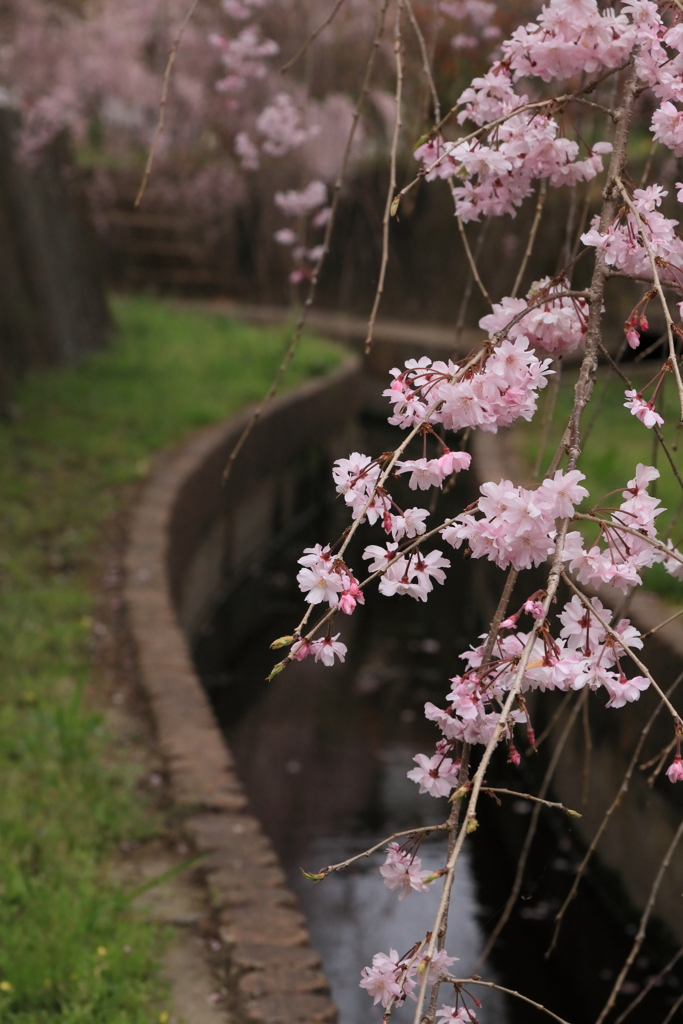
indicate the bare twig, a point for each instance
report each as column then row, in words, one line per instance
column 672, row 1012
column 588, row 749
column 313, row 36
column 623, row 788
column 632, row 655
column 386, row 219
column 467, row 292
column 655, row 629
column 548, row 412
column 426, row 66
column 651, row 983
column 640, row 935
column 531, row 831
column 424, row 830
column 536, row 799
column 673, row 358
column 540, row 203
column 472, row 262
column 582, row 395
column 461, row 982
column 622, row 528
column 559, row 711
column 657, row 432
column 172, row 54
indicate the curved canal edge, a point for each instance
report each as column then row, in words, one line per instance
column 184, row 527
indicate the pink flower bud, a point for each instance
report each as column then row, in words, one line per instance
column 301, row 650
column 347, row 602
column 675, row 770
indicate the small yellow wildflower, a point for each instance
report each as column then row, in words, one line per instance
column 163, row 1017
column 6, row 986
column 101, row 950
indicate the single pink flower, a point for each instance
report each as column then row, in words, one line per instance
column 675, row 771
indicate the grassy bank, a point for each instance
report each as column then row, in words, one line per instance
column 70, row 950
column 613, row 442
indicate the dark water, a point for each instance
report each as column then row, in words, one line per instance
column 323, row 754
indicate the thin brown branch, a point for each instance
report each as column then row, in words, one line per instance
column 472, row 262
column 426, row 66
column 582, row 395
column 172, row 54
column 386, row 219
column 313, row 36
column 654, row 146
column 622, row 528
column 673, row 358
column 640, row 934
column 461, row 982
column 540, row 203
column 531, row 832
column 658, row 434
column 559, row 711
column 536, row 799
column 470, row 821
column 548, row 412
column 674, row 1009
column 467, row 291
column 632, row 655
column 621, row 792
column 655, row 629
column 588, row 750
column 424, row 830
column 651, row 983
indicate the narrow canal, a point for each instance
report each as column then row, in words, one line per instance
column 323, row 754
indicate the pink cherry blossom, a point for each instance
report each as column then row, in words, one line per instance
column 449, row 1015
column 439, row 965
column 402, row 871
column 675, row 770
column 350, row 597
column 318, row 584
column 642, row 410
column 327, row 649
column 435, row 775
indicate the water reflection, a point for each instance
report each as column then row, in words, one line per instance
column 352, row 915
column 323, row 754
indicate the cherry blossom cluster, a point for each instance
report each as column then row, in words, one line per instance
column 570, row 38
column 403, row 871
column 626, row 553
column 517, row 526
column 557, row 326
column 498, row 175
column 505, row 389
column 392, row 979
column 584, row 654
column 300, row 204
column 243, row 57
column 622, row 247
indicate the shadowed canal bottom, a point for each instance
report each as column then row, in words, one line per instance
column 323, row 754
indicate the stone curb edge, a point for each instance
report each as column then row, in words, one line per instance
column 275, row 974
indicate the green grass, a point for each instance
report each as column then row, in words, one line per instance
column 70, row 949
column 613, row 442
